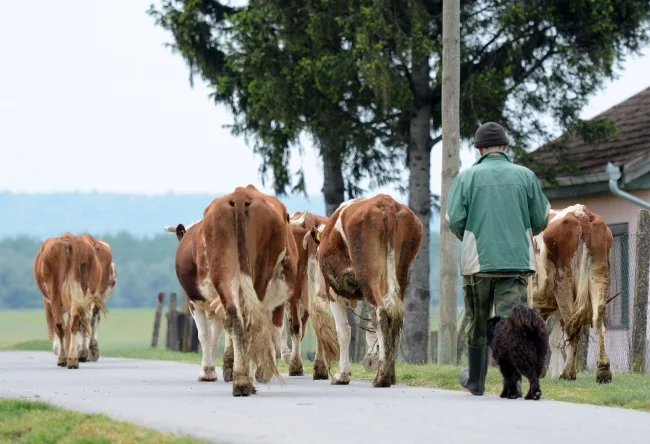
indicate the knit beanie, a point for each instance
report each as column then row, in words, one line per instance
column 490, row 134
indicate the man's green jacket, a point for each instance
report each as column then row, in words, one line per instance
column 495, row 208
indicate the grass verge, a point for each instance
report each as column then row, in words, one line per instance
column 38, row 422
column 629, row 391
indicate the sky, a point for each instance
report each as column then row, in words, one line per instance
column 90, row 100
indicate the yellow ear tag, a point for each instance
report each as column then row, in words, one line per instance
column 318, row 236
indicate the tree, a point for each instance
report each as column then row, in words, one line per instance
column 519, row 61
column 283, row 71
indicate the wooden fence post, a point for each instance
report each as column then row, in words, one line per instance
column 172, row 324
column 156, row 319
column 187, row 330
column 640, row 307
column 434, row 346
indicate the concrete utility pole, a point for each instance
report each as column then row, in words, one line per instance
column 450, row 167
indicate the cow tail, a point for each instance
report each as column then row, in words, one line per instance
column 396, row 304
column 320, row 318
column 258, row 325
column 582, row 311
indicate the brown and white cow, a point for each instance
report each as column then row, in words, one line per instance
column 245, row 258
column 365, row 252
column 572, row 279
column 100, row 292
column 187, row 274
column 69, row 272
column 306, row 304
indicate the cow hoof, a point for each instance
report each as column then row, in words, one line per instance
column 262, row 376
column 227, row 375
column 93, row 353
column 208, row 374
column 381, row 381
column 320, row 374
column 296, row 371
column 73, row 363
column 604, row 377
column 243, row 387
column 61, row 363
column 341, row 379
column 371, row 362
column 568, row 377
column 83, row 355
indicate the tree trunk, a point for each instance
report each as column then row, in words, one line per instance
column 334, row 192
column 333, row 185
column 416, row 316
column 450, row 167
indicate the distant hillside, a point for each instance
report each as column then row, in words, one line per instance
column 45, row 215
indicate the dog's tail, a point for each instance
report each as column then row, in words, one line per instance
column 523, row 319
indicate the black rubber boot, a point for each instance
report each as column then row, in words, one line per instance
column 473, row 379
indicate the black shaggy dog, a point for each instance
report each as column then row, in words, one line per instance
column 519, row 345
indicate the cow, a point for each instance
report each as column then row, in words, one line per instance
column 209, row 336
column 100, row 292
column 572, row 280
column 245, row 259
column 74, row 278
column 305, row 304
column 365, row 252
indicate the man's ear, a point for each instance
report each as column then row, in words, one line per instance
column 315, row 234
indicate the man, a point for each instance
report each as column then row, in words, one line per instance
column 494, row 208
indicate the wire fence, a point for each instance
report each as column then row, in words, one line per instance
column 620, row 309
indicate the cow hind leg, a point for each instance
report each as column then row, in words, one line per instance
column 569, row 372
column 93, row 346
column 320, row 370
column 228, row 358
column 84, row 343
column 60, row 330
column 283, row 335
column 343, row 333
column 242, row 384
column 208, row 370
column 295, row 362
column 371, row 358
column 555, row 353
column 389, row 323
column 598, row 288
column 73, row 328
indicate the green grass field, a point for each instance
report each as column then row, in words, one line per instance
column 127, row 333
column 39, row 422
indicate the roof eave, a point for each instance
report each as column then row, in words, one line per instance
column 631, row 171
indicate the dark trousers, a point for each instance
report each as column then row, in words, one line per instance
column 481, row 293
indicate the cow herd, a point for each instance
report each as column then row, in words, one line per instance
column 247, row 262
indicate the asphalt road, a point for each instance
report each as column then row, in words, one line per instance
column 166, row 396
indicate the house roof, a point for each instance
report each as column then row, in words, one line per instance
column 629, row 149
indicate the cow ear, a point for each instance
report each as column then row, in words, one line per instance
column 180, row 231
column 315, row 234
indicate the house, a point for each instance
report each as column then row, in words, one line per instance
column 579, row 174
